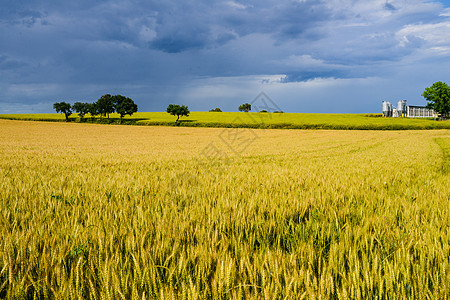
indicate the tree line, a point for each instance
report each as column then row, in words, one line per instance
column 437, row 96
column 103, row 107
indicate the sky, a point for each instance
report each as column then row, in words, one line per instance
column 312, row 56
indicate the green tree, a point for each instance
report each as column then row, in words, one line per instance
column 245, row 107
column 105, row 105
column 124, row 106
column 81, row 109
column 178, row 110
column 64, row 108
column 93, row 110
column 215, row 110
column 438, row 98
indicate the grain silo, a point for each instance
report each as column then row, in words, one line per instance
column 387, row 109
column 401, row 108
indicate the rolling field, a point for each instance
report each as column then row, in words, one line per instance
column 91, row 211
column 260, row 120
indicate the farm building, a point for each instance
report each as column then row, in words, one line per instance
column 408, row 111
column 420, row 112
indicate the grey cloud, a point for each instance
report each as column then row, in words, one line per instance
column 153, row 48
column 389, row 6
column 178, row 26
column 7, row 63
column 309, row 75
column 196, row 25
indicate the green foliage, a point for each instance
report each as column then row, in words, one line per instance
column 438, row 98
column 178, row 110
column 93, row 110
column 81, row 108
column 124, row 106
column 105, row 105
column 80, row 249
column 216, row 110
column 246, row 107
column 64, row 108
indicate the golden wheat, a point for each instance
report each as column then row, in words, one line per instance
column 120, row 212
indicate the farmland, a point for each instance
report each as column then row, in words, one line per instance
column 258, row 120
column 93, row 211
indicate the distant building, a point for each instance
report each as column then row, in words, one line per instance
column 395, row 113
column 408, row 111
column 387, row 109
column 420, row 112
column 401, row 108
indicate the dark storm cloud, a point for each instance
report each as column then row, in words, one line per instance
column 196, row 25
column 92, row 39
column 156, row 51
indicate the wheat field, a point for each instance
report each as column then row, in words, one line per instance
column 94, row 211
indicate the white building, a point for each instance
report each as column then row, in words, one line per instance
column 419, row 112
column 409, row 111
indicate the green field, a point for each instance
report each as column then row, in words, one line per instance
column 260, row 120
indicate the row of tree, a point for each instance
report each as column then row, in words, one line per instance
column 104, row 106
column 438, row 97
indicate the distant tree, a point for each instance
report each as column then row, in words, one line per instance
column 177, row 110
column 263, row 111
column 278, row 112
column 438, row 98
column 64, row 108
column 105, row 105
column 216, row 110
column 93, row 110
column 81, row 108
column 245, row 107
column 124, row 106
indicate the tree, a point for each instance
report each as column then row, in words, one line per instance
column 93, row 110
column 438, row 97
column 124, row 106
column 215, row 110
column 245, row 107
column 81, row 109
column 177, row 110
column 105, row 105
column 64, row 108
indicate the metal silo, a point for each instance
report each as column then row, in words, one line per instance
column 401, row 108
column 387, row 109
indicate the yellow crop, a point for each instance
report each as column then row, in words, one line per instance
column 94, row 211
column 254, row 120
